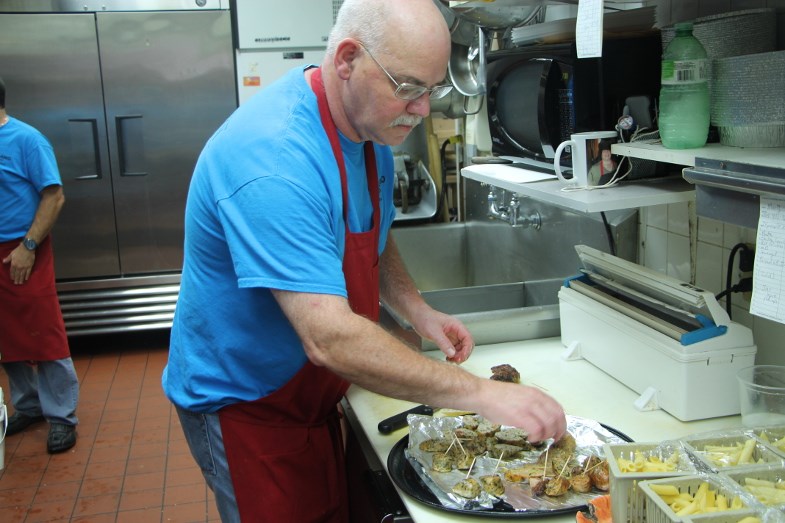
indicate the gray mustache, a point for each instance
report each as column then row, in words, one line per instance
column 409, row 120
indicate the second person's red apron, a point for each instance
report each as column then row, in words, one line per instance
column 285, row 451
column 31, row 322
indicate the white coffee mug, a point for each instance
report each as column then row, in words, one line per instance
column 585, row 152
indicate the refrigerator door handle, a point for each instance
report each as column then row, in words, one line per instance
column 121, row 145
column 96, row 151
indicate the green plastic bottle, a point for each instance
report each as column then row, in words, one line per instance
column 685, row 103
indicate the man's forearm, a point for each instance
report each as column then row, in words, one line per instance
column 396, row 286
column 52, row 200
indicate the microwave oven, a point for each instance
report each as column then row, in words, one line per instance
column 538, row 96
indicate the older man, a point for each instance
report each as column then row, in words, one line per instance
column 286, row 255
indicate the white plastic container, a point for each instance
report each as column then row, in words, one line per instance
column 690, row 382
column 628, row 502
column 762, row 395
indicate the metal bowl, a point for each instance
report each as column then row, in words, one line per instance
column 467, row 66
column 498, row 14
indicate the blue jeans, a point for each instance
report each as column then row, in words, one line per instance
column 203, row 434
column 49, row 388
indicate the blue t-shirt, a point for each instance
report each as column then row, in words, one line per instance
column 264, row 211
column 27, row 166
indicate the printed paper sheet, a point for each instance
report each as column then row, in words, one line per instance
column 768, row 278
column 588, row 28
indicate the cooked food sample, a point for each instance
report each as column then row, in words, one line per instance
column 466, row 462
column 505, row 372
column 513, row 436
column 538, row 484
column 435, row 445
column 463, row 433
column 527, row 471
column 470, row 422
column 486, row 429
column 442, row 462
column 504, row 451
column 492, row 484
column 566, row 443
column 598, row 471
column 557, row 459
column 579, row 481
column 468, row 488
column 557, row 486
column 461, row 447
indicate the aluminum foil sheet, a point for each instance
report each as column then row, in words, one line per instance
column 589, row 435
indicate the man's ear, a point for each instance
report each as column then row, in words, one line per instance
column 346, row 53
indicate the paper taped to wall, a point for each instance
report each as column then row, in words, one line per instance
column 768, row 279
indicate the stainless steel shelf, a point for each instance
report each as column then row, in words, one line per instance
column 634, row 194
column 729, row 181
column 766, row 157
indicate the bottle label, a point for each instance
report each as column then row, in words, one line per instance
column 683, row 72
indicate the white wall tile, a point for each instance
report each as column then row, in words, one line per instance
column 732, row 234
column 678, row 265
column 710, row 231
column 655, row 249
column 679, row 218
column 709, row 268
column 657, row 216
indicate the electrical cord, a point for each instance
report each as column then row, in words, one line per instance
column 615, row 178
column 609, row 233
column 745, row 285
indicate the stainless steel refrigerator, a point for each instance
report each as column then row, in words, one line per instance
column 127, row 92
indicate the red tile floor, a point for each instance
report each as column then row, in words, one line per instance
column 130, row 463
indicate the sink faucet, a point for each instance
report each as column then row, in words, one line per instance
column 511, row 213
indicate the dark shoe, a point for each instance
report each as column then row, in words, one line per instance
column 61, row 437
column 18, row 422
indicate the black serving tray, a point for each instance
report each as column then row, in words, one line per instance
column 409, row 481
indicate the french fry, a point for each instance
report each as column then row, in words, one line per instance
column 704, row 501
column 664, row 490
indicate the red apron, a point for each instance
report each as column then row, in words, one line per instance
column 285, row 451
column 30, row 319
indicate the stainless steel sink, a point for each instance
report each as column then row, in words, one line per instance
column 502, row 282
column 447, row 264
column 492, row 313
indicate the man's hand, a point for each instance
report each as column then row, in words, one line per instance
column 21, row 261
column 522, row 406
column 448, row 333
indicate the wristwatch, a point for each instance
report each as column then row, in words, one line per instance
column 30, row 244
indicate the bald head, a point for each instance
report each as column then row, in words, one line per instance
column 374, row 46
column 384, row 25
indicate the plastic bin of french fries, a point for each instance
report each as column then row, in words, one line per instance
column 774, row 437
column 672, row 499
column 630, row 463
column 767, row 485
column 744, row 516
column 739, row 450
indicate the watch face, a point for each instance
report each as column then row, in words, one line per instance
column 30, row 244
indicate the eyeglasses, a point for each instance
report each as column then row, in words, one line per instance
column 408, row 91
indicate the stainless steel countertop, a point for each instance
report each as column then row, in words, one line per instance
column 583, row 390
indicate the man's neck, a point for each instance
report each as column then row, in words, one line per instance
column 3, row 117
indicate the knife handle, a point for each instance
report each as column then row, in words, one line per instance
column 399, row 420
